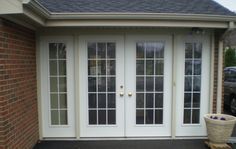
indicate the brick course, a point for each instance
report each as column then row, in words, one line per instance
column 18, row 89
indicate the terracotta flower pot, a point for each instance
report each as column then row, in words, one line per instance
column 219, row 127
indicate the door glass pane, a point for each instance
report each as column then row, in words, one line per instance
column 101, row 83
column 58, row 83
column 192, row 81
column 149, row 82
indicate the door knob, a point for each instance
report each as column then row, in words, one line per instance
column 130, row 94
column 121, row 94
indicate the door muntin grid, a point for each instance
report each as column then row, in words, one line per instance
column 101, row 83
column 58, row 84
column 192, row 83
column 149, row 83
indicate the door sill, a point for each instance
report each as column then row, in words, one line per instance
column 121, row 138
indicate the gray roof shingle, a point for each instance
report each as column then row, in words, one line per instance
column 209, row 7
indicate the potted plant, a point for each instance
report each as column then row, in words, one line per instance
column 219, row 127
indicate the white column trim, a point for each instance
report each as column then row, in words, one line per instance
column 212, row 72
column 220, row 77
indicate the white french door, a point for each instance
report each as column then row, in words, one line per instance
column 101, row 77
column 192, row 84
column 125, row 89
column 148, row 77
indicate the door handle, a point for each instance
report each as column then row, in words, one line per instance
column 130, row 94
column 121, row 94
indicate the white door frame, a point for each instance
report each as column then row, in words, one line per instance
column 49, row 130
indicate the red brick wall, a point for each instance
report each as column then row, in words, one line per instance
column 18, row 92
column 218, row 35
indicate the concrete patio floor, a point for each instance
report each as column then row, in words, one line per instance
column 123, row 144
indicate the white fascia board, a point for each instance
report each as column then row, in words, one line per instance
column 145, row 16
column 34, row 16
column 10, row 7
column 134, row 23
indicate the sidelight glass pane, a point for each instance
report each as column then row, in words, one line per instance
column 140, row 67
column 188, row 84
column 187, row 100
column 111, row 67
column 62, row 67
column 54, row 101
column 53, row 67
column 63, row 117
column 196, row 100
column 196, row 83
column 53, row 84
column 187, row 116
column 62, row 84
column 192, row 95
column 158, row 116
column 92, row 117
column 111, row 117
column 62, row 51
column 197, row 50
column 112, row 100
column 140, row 50
column 92, row 101
column 54, row 117
column 92, row 50
column 63, row 101
column 150, row 67
column 101, row 50
column 52, row 51
column 111, row 53
column 197, row 67
column 196, row 116
column 188, row 67
column 139, row 116
column 149, row 100
column 102, row 117
column 188, row 50
column 139, row 100
column 149, row 116
column 159, row 67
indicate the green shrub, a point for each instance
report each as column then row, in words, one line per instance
column 230, row 57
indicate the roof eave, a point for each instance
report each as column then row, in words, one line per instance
column 39, row 13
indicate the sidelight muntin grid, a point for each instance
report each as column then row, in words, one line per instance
column 194, row 116
column 58, row 112
column 106, row 110
column 156, row 58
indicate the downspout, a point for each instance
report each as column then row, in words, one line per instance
column 220, row 66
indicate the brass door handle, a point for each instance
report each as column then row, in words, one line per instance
column 121, row 94
column 130, row 94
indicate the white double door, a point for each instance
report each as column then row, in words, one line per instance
column 125, row 86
